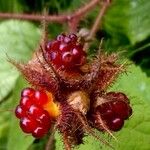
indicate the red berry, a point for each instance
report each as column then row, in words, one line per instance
column 40, row 98
column 65, row 48
column 73, row 37
column 54, row 45
column 55, row 57
column 65, row 52
column 28, row 124
column 113, row 112
column 116, row 124
column 61, row 37
column 19, row 112
column 26, row 102
column 121, row 108
column 39, row 132
column 67, row 58
column 48, row 46
column 35, row 111
column 27, row 92
column 33, row 118
column 105, row 111
column 44, row 119
column 79, row 56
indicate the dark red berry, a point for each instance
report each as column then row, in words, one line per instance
column 79, row 56
column 29, row 92
column 67, row 58
column 113, row 112
column 19, row 112
column 39, row 132
column 28, row 124
column 67, row 39
column 54, row 45
column 26, row 102
column 73, row 37
column 105, row 110
column 116, row 124
column 61, row 37
column 48, row 46
column 65, row 52
column 121, row 109
column 65, row 48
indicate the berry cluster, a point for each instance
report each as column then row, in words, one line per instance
column 113, row 112
column 78, row 100
column 33, row 118
column 66, row 52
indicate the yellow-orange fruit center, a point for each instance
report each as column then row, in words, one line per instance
column 51, row 107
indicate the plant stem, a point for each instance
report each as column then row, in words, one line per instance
column 33, row 17
column 74, row 19
column 53, row 18
column 97, row 22
column 51, row 141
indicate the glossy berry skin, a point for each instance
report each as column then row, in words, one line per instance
column 40, row 97
column 39, row 132
column 33, row 118
column 28, row 124
column 19, row 112
column 29, row 92
column 113, row 112
column 115, row 124
column 65, row 52
column 26, row 102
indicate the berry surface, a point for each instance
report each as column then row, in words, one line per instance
column 34, row 119
column 66, row 52
column 113, row 112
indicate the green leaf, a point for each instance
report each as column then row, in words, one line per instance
column 135, row 83
column 5, row 115
column 128, row 18
column 18, row 40
column 11, row 6
column 16, row 138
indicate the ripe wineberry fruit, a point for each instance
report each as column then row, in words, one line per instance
column 113, row 112
column 33, row 117
column 66, row 52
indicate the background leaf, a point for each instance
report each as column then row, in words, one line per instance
column 16, row 138
column 126, row 27
column 128, row 18
column 18, row 40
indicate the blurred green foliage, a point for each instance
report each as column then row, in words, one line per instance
column 125, row 27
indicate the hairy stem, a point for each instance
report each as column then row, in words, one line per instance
column 89, row 130
column 74, row 19
column 53, row 18
column 51, row 141
column 97, row 23
column 33, row 17
column 66, row 143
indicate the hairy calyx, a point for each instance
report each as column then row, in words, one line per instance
column 76, row 101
